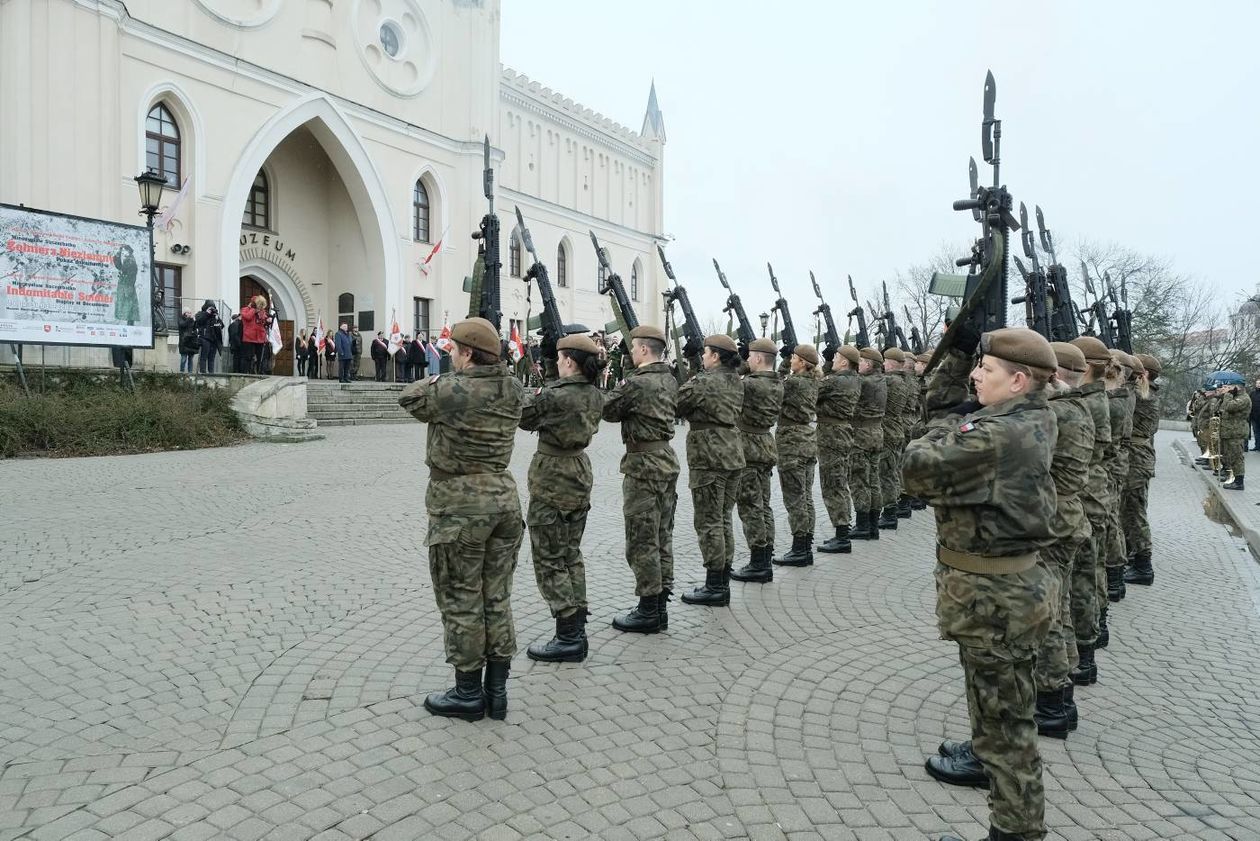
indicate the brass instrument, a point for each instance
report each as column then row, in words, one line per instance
column 1214, row 442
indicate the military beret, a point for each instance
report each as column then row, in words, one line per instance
column 1021, row 346
column 477, row 333
column 1094, row 350
column 763, row 346
column 647, row 331
column 923, row 358
column 1136, row 363
column 807, row 352
column 1070, row 356
column 720, row 341
column 1150, row 363
column 578, row 341
column 896, row 354
column 871, row 354
column 1121, row 358
column 851, row 353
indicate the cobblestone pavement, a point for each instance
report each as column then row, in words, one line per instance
column 176, row 664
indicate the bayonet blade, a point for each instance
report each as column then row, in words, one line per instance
column 669, row 270
column 721, row 277
column 1047, row 245
column 973, row 175
column 526, row 239
column 990, row 96
column 812, row 280
column 1089, row 284
column 774, row 281
column 487, row 182
column 1023, row 270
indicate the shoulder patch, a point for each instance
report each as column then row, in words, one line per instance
column 434, row 378
column 967, row 427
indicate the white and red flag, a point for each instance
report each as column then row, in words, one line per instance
column 319, row 332
column 437, row 246
column 395, row 335
column 444, row 338
column 515, row 345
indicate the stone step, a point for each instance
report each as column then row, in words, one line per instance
column 362, row 421
column 319, row 400
column 339, row 414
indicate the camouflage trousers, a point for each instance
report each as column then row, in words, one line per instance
column 864, row 479
column 1113, row 549
column 796, row 480
column 754, row 505
column 1058, row 651
column 1087, row 579
column 555, row 540
column 1233, row 455
column 889, row 473
column 1137, row 527
column 472, row 559
column 713, row 496
column 648, row 508
column 833, row 470
column 999, row 622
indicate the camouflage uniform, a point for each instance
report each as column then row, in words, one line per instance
column 1235, row 411
column 1120, row 404
column 894, row 424
column 837, row 399
column 566, row 414
column 763, row 397
column 987, row 476
column 475, row 527
column 1087, row 565
column 711, row 403
column 914, row 404
column 1203, row 414
column 1137, row 529
column 644, row 405
column 798, row 450
column 868, row 441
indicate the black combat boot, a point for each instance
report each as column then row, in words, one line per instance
column 464, row 700
column 995, row 834
column 839, row 543
column 759, row 570
column 496, row 688
column 918, row 504
column 958, row 768
column 644, row 619
column 568, row 646
column 872, row 517
column 715, row 592
column 1086, row 672
column 1115, row 583
column 903, row 507
column 1069, row 705
column 662, row 607
column 862, row 529
column 800, row 555
column 1235, row 485
column 1140, row 570
column 888, row 517
column 1104, row 633
column 1051, row 717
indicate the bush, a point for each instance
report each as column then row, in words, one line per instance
column 95, row 419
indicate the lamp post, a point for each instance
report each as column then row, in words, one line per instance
column 765, row 319
column 150, row 185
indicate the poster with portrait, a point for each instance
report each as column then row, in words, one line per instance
column 69, row 280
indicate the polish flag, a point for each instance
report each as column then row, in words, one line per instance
column 167, row 219
column 515, row 345
column 273, row 335
column 437, row 246
column 319, row 332
column 395, row 335
column 444, row 342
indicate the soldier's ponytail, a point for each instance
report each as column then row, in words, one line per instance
column 589, row 364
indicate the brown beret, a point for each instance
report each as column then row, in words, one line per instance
column 1094, row 350
column 807, row 352
column 763, row 346
column 851, row 353
column 476, row 333
column 1069, row 356
column 1121, row 358
column 578, row 341
column 1136, row 363
column 1021, row 346
column 871, row 354
column 647, row 331
column 923, row 358
column 1150, row 363
column 895, row 353
column 720, row 341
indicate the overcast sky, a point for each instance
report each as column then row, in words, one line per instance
column 834, row 136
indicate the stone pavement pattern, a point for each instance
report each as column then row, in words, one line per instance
column 235, row 643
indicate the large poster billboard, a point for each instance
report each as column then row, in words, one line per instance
column 68, row 280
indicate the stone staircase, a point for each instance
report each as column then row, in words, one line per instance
column 334, row 404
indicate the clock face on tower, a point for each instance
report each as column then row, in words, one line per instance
column 243, row 13
column 394, row 41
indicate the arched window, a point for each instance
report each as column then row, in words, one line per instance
column 562, row 266
column 634, row 281
column 161, row 136
column 420, row 213
column 258, row 205
column 514, row 254
column 345, row 308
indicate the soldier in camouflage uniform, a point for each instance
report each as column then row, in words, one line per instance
column 1203, row 412
column 837, row 400
column 894, row 437
column 868, row 444
column 565, row 412
column 911, row 419
column 798, row 453
column 1121, row 403
column 919, row 426
column 763, row 397
column 475, row 526
column 644, row 404
column 984, row 466
column 711, row 402
column 1137, row 534
column 1235, row 412
column 1069, row 467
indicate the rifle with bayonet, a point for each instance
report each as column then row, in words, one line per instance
column 624, row 318
column 693, row 336
column 831, row 336
column 1063, row 313
column 916, row 340
column 548, row 323
column 863, row 338
column 788, row 332
column 484, row 298
column 1099, row 324
column 881, row 326
column 1121, row 317
column 1036, row 314
column 895, row 336
column 983, row 289
column 744, row 330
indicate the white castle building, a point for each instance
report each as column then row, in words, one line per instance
column 323, row 147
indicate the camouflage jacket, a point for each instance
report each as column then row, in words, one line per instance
column 472, row 416
column 1120, row 405
column 1069, row 467
column 644, row 404
column 565, row 413
column 1142, row 445
column 795, row 436
column 838, row 394
column 763, row 397
column 987, row 475
column 1207, row 409
column 914, row 397
column 894, row 422
column 1235, row 411
column 711, row 402
column 1095, row 496
column 1193, row 409
column 868, row 417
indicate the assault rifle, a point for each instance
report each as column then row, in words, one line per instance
column 881, row 326
column 484, row 298
column 831, row 335
column 548, row 323
column 692, row 334
column 863, row 335
column 895, row 336
column 744, row 333
column 1099, row 324
column 1034, row 297
column 1121, row 316
column 983, row 289
column 788, row 333
column 624, row 319
column 916, row 340
column 1063, row 313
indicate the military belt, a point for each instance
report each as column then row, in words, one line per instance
column 827, row 419
column 984, row 564
column 709, row 425
column 552, row 450
column 646, row 446
column 752, row 430
column 785, row 422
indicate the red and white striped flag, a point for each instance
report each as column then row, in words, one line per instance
column 515, row 345
column 437, row 246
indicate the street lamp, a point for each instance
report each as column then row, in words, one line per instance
column 150, row 185
column 765, row 319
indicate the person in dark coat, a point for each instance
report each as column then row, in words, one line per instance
column 209, row 336
column 236, row 343
column 187, row 341
column 416, row 360
column 345, row 353
column 330, row 354
column 380, row 355
column 312, row 356
column 301, row 354
column 1255, row 416
column 400, row 361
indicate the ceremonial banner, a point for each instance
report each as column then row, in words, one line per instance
column 68, row 280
